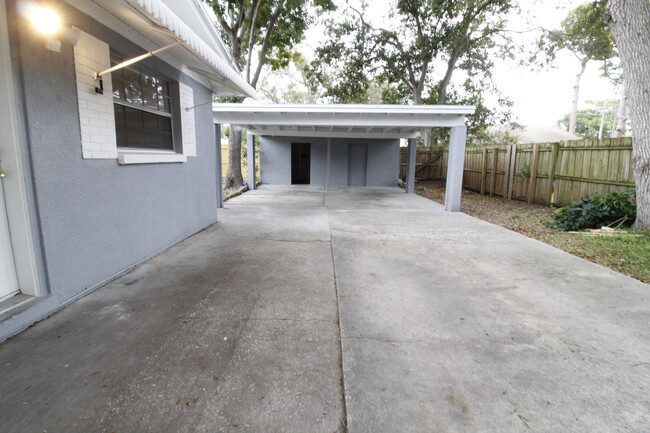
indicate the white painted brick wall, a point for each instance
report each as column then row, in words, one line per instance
column 96, row 113
column 188, row 129
column 96, row 116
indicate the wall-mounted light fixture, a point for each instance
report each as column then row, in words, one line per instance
column 46, row 21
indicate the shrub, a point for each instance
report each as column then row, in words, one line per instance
column 596, row 211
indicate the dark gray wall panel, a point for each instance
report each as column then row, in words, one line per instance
column 275, row 161
column 382, row 169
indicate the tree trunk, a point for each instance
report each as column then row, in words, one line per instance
column 601, row 130
column 629, row 20
column 621, row 118
column 233, row 175
column 573, row 118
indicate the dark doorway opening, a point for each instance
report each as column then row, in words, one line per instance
column 300, row 163
column 357, row 164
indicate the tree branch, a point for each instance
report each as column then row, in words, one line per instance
column 252, row 36
column 266, row 43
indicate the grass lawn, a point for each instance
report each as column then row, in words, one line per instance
column 628, row 253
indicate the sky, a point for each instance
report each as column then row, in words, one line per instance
column 539, row 97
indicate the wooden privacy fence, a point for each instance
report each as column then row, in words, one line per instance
column 224, row 159
column 548, row 173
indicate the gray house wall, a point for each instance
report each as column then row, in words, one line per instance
column 98, row 218
column 382, row 163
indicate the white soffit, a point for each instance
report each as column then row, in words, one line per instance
column 152, row 24
column 344, row 121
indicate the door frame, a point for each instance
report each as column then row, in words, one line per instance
column 16, row 194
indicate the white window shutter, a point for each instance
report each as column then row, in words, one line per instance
column 96, row 116
column 188, row 129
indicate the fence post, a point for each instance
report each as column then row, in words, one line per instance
column 495, row 155
column 506, row 171
column 511, row 170
column 551, row 172
column 532, row 182
column 484, row 171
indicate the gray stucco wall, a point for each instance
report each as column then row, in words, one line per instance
column 98, row 218
column 382, row 165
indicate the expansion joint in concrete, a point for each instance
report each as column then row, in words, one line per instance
column 283, row 319
column 259, row 238
column 391, row 341
column 344, row 426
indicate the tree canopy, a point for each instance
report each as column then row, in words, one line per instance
column 268, row 28
column 590, row 119
column 260, row 33
column 584, row 34
column 416, row 59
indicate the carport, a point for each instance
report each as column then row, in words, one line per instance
column 352, row 121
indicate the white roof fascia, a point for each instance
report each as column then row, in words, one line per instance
column 208, row 15
column 379, row 117
column 158, row 11
column 344, row 120
column 364, row 121
column 155, row 16
column 346, row 108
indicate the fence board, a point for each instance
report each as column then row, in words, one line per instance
column 548, row 173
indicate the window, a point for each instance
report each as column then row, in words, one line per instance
column 142, row 105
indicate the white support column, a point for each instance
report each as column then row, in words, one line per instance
column 329, row 157
column 250, row 152
column 455, row 168
column 217, row 134
column 410, row 166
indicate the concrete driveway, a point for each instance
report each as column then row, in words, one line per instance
column 446, row 324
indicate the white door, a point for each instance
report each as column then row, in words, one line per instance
column 8, row 280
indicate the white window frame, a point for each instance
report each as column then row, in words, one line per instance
column 97, row 117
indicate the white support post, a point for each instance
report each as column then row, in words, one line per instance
column 217, row 134
column 250, row 157
column 329, row 157
column 455, row 168
column 410, row 166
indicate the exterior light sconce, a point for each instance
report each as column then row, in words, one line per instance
column 46, row 21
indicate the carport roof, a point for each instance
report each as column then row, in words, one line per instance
column 343, row 120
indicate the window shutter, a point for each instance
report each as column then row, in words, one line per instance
column 188, row 129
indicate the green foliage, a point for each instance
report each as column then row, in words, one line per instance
column 268, row 28
column 584, row 33
column 588, row 125
column 414, row 61
column 596, row 211
column 289, row 85
column 496, row 136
